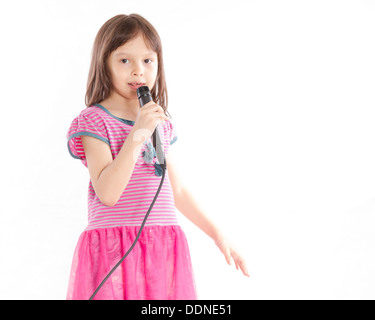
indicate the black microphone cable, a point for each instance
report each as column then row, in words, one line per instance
column 136, row 239
column 144, row 97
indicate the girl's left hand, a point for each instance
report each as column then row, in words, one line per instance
column 230, row 252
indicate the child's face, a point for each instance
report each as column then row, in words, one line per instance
column 132, row 62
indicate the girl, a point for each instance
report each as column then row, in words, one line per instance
column 113, row 139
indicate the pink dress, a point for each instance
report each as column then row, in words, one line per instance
column 159, row 266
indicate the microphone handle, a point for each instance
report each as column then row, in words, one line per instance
column 155, row 136
column 159, row 146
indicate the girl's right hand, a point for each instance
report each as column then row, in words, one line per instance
column 148, row 117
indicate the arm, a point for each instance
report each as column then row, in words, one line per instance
column 110, row 177
column 190, row 208
column 186, row 203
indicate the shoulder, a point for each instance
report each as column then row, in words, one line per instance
column 94, row 115
column 90, row 119
column 171, row 127
column 166, row 125
column 169, row 124
column 93, row 112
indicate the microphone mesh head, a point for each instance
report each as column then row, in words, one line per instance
column 142, row 90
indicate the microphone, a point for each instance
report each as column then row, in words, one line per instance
column 144, row 96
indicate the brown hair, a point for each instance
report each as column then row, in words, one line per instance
column 114, row 33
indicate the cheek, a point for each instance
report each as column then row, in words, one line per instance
column 152, row 80
column 117, row 75
column 117, row 84
column 153, row 74
column 118, row 79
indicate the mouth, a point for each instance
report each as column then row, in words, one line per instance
column 136, row 85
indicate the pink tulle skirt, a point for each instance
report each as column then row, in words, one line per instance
column 157, row 268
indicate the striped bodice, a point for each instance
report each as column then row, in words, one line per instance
column 98, row 122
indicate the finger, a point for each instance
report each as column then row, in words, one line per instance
column 243, row 268
column 228, row 257
column 164, row 116
column 148, row 104
column 154, row 107
column 240, row 262
column 160, row 109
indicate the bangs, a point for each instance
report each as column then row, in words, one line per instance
column 130, row 29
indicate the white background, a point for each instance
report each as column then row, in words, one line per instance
column 273, row 102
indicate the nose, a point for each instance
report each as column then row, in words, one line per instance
column 137, row 71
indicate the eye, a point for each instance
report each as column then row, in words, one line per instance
column 148, row 60
column 124, row 60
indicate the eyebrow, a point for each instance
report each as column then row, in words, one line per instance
column 128, row 54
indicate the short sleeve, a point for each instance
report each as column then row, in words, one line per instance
column 172, row 133
column 84, row 125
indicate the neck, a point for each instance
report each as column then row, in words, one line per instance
column 119, row 103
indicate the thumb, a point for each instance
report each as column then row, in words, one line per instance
column 228, row 257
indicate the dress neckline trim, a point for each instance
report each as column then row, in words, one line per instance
column 129, row 122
